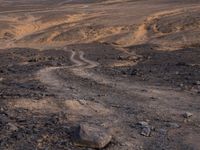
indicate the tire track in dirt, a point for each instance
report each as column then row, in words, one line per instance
column 48, row 76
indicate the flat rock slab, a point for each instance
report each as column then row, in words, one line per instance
column 91, row 136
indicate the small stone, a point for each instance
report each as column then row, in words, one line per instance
column 187, row 115
column 143, row 124
column 2, row 109
column 177, row 73
column 91, row 137
column 197, row 83
column 146, row 131
column 12, row 127
column 132, row 72
column 1, row 79
column 172, row 125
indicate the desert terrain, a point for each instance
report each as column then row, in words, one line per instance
column 124, row 73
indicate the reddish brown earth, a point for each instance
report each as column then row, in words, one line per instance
column 108, row 63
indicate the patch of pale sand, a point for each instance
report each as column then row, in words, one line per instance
column 140, row 35
column 123, row 63
column 40, row 46
column 72, row 18
column 32, row 25
column 3, row 32
column 103, row 33
column 114, row 1
column 85, row 35
column 44, row 105
column 86, row 108
column 76, row 17
column 52, row 35
column 23, row 31
column 26, row 27
column 136, row 37
column 75, row 108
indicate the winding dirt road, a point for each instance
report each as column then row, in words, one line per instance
column 167, row 98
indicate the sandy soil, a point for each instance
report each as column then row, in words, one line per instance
column 109, row 63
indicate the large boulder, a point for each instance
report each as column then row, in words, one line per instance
column 91, row 136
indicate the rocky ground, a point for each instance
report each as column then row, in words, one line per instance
column 100, row 75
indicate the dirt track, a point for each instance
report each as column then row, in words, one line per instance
column 108, row 63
